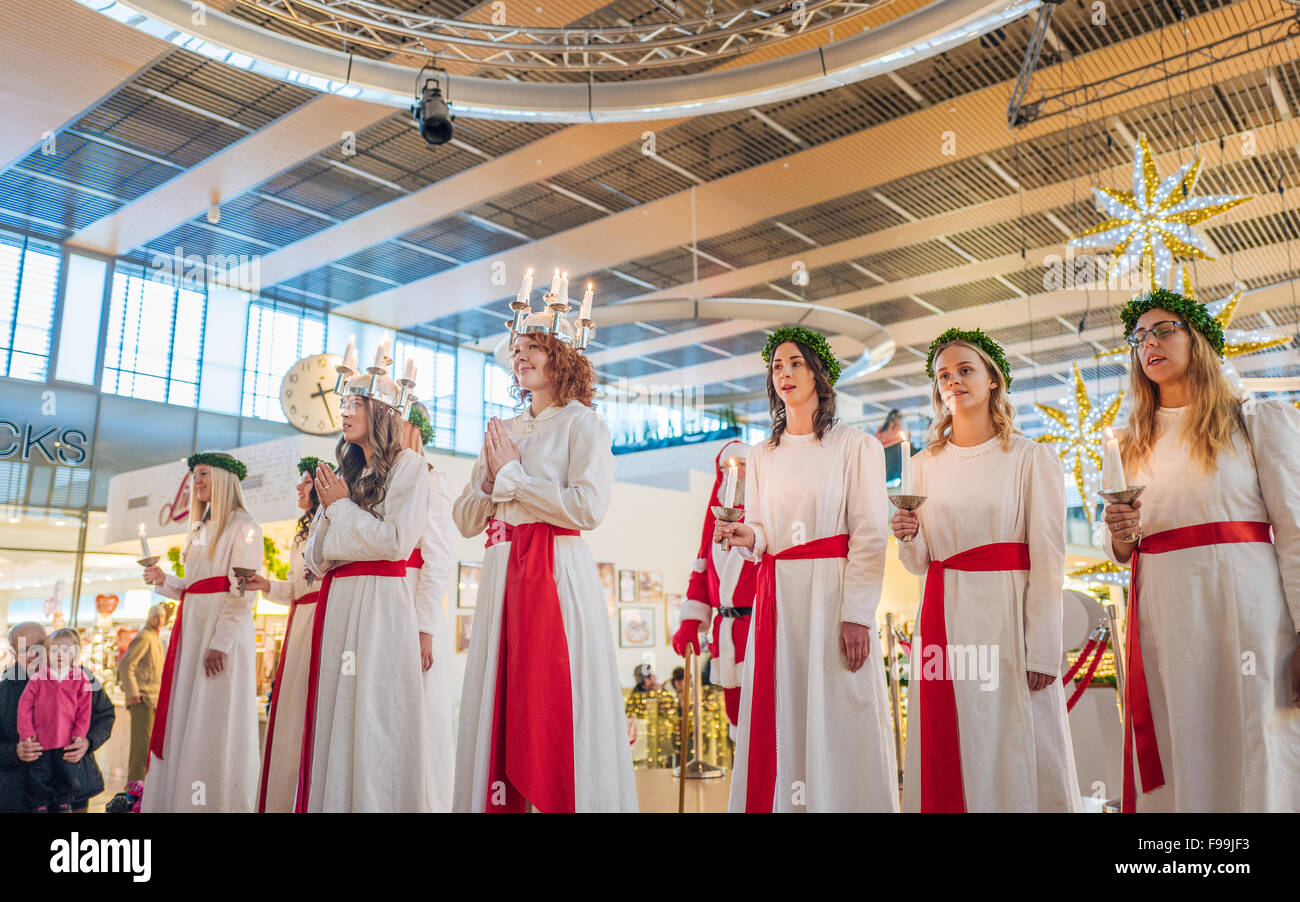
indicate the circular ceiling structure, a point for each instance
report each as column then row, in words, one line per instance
column 941, row 25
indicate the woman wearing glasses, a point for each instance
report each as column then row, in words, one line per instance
column 1212, row 692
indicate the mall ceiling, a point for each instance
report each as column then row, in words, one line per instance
column 905, row 197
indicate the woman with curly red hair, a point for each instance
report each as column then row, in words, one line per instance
column 541, row 713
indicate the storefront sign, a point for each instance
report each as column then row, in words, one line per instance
column 57, row 444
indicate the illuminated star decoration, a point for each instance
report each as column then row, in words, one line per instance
column 1105, row 572
column 1152, row 224
column 1238, row 342
column 1082, row 437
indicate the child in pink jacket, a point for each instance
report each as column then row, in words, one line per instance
column 55, row 708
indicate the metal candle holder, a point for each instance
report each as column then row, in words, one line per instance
column 147, row 562
column 242, row 574
column 557, row 306
column 344, row 374
column 1124, row 496
column 907, row 503
column 522, row 310
column 727, row 515
column 586, row 332
column 404, row 401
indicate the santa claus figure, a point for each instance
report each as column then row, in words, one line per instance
column 721, row 590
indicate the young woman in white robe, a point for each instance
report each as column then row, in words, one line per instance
column 556, row 738
column 203, row 752
column 365, row 743
column 814, row 731
column 996, row 737
column 428, row 577
column 282, row 748
column 1213, row 675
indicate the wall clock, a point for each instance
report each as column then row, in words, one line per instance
column 307, row 395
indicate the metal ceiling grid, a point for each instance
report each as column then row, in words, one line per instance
column 624, row 178
column 831, row 281
column 334, row 193
column 971, row 294
column 1014, row 335
column 53, row 209
column 888, row 312
column 687, row 356
column 198, row 237
column 635, row 368
column 396, row 262
column 941, row 189
column 753, row 244
column 1081, row 352
column 711, row 147
column 462, row 239
column 817, row 118
column 1009, row 236
column 536, row 211
column 671, row 267
column 740, row 345
column 914, row 260
column 843, row 218
column 1275, row 228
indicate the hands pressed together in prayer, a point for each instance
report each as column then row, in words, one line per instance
column 498, row 450
column 330, row 486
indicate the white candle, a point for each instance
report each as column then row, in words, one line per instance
column 585, row 313
column 526, row 289
column 564, row 287
column 409, row 374
column 1114, row 463
column 381, row 354
column 350, row 355
column 144, row 543
column 906, row 487
column 555, row 281
column 729, row 487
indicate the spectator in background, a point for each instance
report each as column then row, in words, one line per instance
column 891, row 431
column 54, row 710
column 140, row 672
column 644, row 674
column 16, row 754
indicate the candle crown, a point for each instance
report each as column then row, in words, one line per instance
column 375, row 382
column 551, row 319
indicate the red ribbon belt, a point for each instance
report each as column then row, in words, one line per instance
column 356, row 568
column 309, row 598
column 942, row 789
column 532, row 717
column 1139, row 727
column 760, row 785
column 207, row 586
column 416, row 561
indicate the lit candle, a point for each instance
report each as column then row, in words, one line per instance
column 526, row 289
column 555, row 281
column 729, row 488
column 350, row 355
column 564, row 287
column 585, row 313
column 381, row 354
column 1114, row 463
column 906, row 487
column 409, row 374
column 144, row 543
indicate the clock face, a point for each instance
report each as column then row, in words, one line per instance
column 307, row 395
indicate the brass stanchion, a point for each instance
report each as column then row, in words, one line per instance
column 681, row 734
column 894, row 701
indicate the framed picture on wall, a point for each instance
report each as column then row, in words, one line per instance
column 649, row 587
column 467, row 578
column 673, row 612
column 636, row 627
column 464, row 624
column 607, row 577
column 627, row 586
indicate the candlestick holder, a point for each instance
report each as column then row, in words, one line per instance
column 557, row 306
column 907, row 503
column 407, row 397
column 522, row 310
column 147, row 562
column 242, row 574
column 1125, row 496
column 586, row 332
column 344, row 374
column 727, row 515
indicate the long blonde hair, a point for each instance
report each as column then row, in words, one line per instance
column 227, row 498
column 1213, row 411
column 1000, row 408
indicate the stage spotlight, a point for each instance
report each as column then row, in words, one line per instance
column 432, row 115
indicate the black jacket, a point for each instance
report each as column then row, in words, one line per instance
column 13, row 773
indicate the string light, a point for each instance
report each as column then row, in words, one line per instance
column 1081, row 441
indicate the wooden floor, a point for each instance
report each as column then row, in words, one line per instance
column 657, row 791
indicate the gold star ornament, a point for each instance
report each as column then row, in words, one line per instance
column 1082, row 432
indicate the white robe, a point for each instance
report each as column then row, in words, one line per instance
column 210, row 760
column 1016, row 753
column 370, row 749
column 281, row 766
column 563, row 478
column 1218, row 623
column 834, row 739
column 428, row 586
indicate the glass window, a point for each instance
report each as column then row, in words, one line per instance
column 155, row 336
column 279, row 335
column 497, row 399
column 29, row 285
column 435, row 383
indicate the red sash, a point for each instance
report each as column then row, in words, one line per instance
column 309, row 598
column 356, row 568
column 532, row 717
column 760, row 785
column 416, row 561
column 1139, row 727
column 207, row 586
column 942, row 789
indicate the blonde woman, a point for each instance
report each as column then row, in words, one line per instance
column 1212, row 695
column 203, row 751
column 987, row 724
